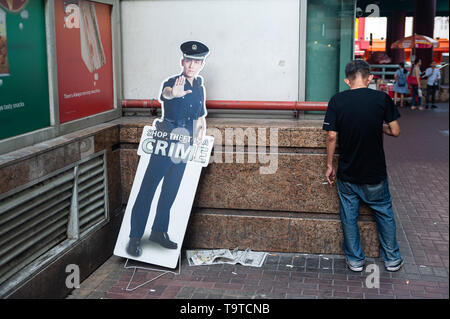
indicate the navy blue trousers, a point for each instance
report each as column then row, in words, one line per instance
column 159, row 167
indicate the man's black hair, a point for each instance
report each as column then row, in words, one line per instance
column 357, row 66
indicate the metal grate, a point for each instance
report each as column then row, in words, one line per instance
column 41, row 215
column 91, row 193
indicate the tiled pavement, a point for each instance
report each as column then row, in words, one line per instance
column 418, row 165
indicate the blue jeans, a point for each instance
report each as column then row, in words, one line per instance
column 415, row 93
column 378, row 197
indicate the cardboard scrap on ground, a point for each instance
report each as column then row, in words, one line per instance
column 225, row 256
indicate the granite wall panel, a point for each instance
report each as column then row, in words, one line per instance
column 274, row 231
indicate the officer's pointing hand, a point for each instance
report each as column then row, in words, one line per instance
column 178, row 88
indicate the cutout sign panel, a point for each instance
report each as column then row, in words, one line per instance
column 84, row 55
column 172, row 153
column 153, row 252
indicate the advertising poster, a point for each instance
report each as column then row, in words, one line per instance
column 24, row 97
column 84, row 55
column 173, row 151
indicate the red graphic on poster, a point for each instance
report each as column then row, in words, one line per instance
column 84, row 55
column 13, row 5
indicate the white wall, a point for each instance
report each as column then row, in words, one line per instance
column 254, row 46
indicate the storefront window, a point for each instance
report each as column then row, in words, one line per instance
column 329, row 47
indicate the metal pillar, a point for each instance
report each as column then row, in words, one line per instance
column 424, row 13
column 395, row 31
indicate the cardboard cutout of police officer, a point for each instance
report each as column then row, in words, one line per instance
column 172, row 141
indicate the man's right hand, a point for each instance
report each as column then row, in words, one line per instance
column 330, row 175
column 178, row 88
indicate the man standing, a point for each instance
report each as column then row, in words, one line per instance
column 184, row 110
column 358, row 118
column 433, row 76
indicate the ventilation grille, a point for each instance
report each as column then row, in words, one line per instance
column 91, row 193
column 41, row 215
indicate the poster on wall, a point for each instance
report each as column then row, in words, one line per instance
column 84, row 56
column 173, row 151
column 24, row 97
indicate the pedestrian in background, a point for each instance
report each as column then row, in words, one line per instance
column 358, row 118
column 433, row 76
column 400, row 85
column 414, row 81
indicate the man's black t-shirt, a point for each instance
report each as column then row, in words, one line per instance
column 358, row 115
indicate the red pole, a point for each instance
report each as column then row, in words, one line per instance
column 239, row 105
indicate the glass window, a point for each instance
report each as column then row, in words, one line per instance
column 329, row 48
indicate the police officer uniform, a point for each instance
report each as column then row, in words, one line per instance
column 178, row 113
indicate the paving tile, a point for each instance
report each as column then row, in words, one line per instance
column 312, row 263
column 185, row 292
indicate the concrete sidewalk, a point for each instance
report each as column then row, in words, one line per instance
column 418, row 165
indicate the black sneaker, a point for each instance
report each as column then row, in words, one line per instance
column 134, row 247
column 434, row 106
column 163, row 239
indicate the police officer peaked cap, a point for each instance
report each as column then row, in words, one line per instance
column 194, row 50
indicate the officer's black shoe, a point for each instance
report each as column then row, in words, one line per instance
column 434, row 106
column 134, row 247
column 163, row 239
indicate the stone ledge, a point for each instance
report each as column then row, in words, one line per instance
column 66, row 141
column 291, row 133
column 275, row 231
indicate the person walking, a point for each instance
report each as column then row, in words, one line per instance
column 358, row 118
column 414, row 82
column 433, row 76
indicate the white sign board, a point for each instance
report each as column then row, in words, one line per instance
column 256, row 46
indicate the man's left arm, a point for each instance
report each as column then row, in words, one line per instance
column 329, row 125
column 331, row 148
column 199, row 129
column 392, row 128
